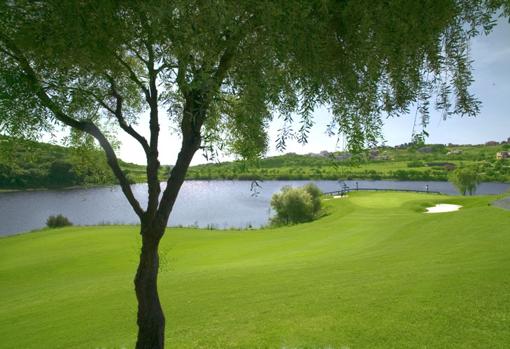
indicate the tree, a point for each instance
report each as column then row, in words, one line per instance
column 222, row 70
column 61, row 172
column 465, row 180
column 296, row 205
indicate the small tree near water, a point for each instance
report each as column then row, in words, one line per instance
column 465, row 180
column 296, row 205
column 58, row 221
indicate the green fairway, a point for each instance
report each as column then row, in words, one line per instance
column 374, row 272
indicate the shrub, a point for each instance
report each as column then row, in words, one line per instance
column 58, row 221
column 316, row 194
column 465, row 180
column 296, row 205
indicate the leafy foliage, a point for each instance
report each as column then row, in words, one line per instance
column 465, row 180
column 296, row 205
column 360, row 58
column 58, row 221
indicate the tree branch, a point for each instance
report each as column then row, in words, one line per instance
column 193, row 118
column 10, row 54
column 117, row 112
column 165, row 65
column 82, row 125
column 175, row 181
column 181, row 76
column 197, row 102
column 152, row 99
column 137, row 54
column 132, row 75
column 120, row 117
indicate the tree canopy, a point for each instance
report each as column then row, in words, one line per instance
column 465, row 179
column 251, row 60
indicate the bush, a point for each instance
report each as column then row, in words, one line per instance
column 316, row 194
column 465, row 180
column 296, row 205
column 58, row 221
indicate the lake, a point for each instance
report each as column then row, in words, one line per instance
column 221, row 204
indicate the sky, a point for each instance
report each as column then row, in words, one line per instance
column 491, row 71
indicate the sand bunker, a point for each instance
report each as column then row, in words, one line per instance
column 339, row 196
column 440, row 208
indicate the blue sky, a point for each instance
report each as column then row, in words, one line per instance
column 491, row 70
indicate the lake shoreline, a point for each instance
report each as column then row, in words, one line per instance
column 93, row 186
column 219, row 204
column 501, row 201
column 44, row 189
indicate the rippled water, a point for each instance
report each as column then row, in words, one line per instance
column 221, row 204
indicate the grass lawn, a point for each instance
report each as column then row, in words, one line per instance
column 375, row 272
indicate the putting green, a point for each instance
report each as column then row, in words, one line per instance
column 374, row 272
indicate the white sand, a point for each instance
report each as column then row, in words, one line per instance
column 440, row 208
column 339, row 197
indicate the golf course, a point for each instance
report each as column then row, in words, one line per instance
column 374, row 271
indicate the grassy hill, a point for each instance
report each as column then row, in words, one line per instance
column 29, row 164
column 430, row 162
column 375, row 272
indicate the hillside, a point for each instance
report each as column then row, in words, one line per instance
column 429, row 162
column 376, row 272
column 29, row 164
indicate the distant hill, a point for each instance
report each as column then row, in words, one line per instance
column 429, row 162
column 29, row 164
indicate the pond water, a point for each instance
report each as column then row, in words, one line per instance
column 221, row 204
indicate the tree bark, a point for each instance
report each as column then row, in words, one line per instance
column 150, row 318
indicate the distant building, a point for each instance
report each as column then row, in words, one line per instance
column 492, row 143
column 503, row 155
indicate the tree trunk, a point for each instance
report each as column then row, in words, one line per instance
column 151, row 321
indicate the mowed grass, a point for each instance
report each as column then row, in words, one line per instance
column 375, row 272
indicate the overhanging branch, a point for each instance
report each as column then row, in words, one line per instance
column 86, row 126
column 120, row 117
column 132, row 75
